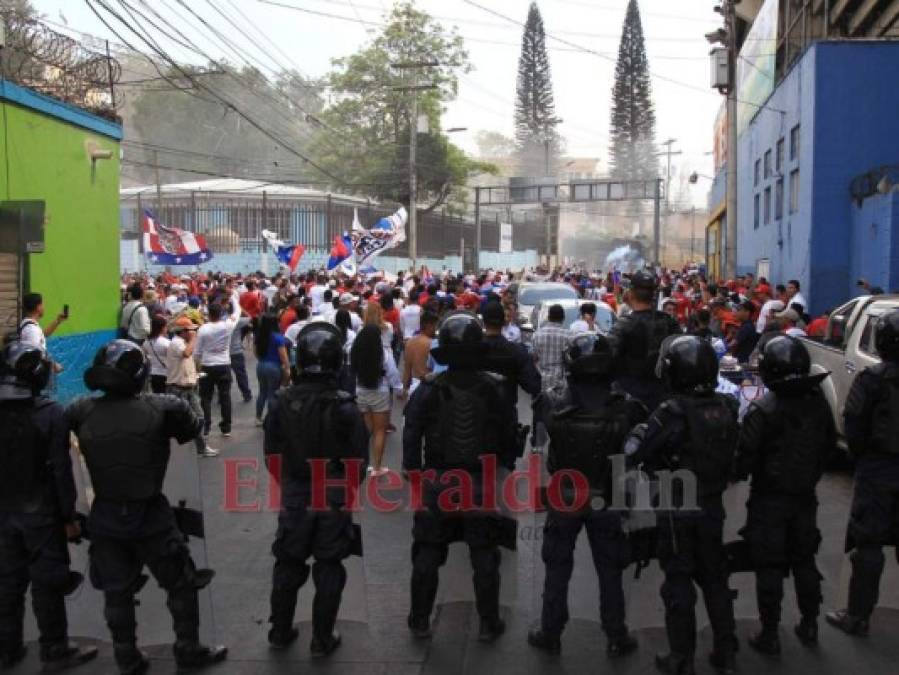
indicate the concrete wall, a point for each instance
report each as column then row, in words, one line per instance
column 875, row 242
column 47, row 155
column 839, row 93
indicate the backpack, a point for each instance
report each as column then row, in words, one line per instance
column 310, row 419
column 712, row 429
column 794, row 462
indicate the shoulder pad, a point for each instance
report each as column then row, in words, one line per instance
column 164, row 402
column 672, row 406
column 431, row 378
column 80, row 406
column 342, row 396
column 496, row 378
column 767, row 404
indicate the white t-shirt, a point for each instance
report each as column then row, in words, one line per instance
column 800, row 300
column 157, row 351
column 795, row 332
column 410, row 321
column 765, row 313
column 293, row 330
column 390, row 379
column 581, row 326
column 31, row 334
column 317, row 295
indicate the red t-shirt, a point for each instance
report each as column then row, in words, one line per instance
column 817, row 327
column 288, row 317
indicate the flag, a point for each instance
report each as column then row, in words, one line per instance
column 172, row 246
column 341, row 250
column 288, row 255
column 386, row 234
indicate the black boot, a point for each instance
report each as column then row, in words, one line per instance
column 854, row 625
column 766, row 641
column 129, row 659
column 807, row 631
column 621, row 646
column 724, row 661
column 675, row 664
column 549, row 643
column 59, row 657
column 320, row 647
column 279, row 638
column 420, row 627
column 10, row 658
column 194, row 656
column 491, row 628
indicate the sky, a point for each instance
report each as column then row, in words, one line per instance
column 678, row 56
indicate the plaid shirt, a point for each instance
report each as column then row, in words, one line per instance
column 550, row 342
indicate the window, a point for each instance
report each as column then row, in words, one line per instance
column 768, row 164
column 794, row 191
column 794, row 142
column 755, row 212
column 758, row 171
column 865, row 343
column 779, row 199
column 838, row 324
column 767, row 205
column 779, row 156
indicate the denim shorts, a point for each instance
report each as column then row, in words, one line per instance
column 373, row 401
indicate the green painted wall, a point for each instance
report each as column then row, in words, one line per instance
column 48, row 160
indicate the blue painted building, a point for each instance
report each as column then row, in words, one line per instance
column 832, row 118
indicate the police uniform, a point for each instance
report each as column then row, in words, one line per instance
column 587, row 423
column 871, row 418
column 459, row 415
column 784, row 443
column 314, row 420
column 131, row 523
column 636, row 340
column 37, row 499
column 694, row 430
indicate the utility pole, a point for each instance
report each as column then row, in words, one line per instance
column 477, row 231
column 414, row 88
column 693, row 236
column 669, row 153
column 657, row 223
column 730, row 241
column 158, row 185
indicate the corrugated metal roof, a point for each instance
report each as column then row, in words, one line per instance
column 238, row 186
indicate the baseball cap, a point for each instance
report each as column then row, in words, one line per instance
column 763, row 288
column 347, row 298
column 183, row 323
column 789, row 315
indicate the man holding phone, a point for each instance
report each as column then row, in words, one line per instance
column 30, row 332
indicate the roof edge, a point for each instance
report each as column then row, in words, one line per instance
column 65, row 112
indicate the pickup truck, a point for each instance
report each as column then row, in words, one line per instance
column 848, row 348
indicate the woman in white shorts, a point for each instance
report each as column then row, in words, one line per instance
column 376, row 376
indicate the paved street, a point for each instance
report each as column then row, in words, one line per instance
column 372, row 618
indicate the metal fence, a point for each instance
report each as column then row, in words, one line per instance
column 233, row 223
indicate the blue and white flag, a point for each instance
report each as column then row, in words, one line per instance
column 386, row 234
column 171, row 245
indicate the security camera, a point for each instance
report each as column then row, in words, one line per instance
column 717, row 36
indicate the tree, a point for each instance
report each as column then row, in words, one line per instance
column 365, row 133
column 494, row 144
column 535, row 108
column 632, row 151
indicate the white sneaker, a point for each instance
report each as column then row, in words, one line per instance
column 259, row 422
column 209, row 452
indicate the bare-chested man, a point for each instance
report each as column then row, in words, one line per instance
column 417, row 350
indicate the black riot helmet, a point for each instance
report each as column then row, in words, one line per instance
column 886, row 336
column 120, row 367
column 644, row 279
column 460, row 341
column 319, row 349
column 782, row 359
column 689, row 365
column 25, row 371
column 588, row 356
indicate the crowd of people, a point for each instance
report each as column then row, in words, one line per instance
column 327, row 349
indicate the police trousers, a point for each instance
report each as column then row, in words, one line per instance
column 432, row 533
column 783, row 537
column 116, row 569
column 873, row 524
column 326, row 536
column 611, row 555
column 33, row 550
column 691, row 552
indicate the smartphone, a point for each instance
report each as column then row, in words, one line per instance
column 65, row 311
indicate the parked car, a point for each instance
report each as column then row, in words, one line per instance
column 848, row 348
column 530, row 294
column 605, row 316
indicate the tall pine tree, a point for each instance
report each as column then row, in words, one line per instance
column 535, row 108
column 632, row 153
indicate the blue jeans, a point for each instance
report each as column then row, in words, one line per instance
column 269, row 376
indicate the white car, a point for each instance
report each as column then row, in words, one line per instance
column 530, row 294
column 605, row 316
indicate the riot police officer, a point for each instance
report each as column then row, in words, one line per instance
column 784, row 443
column 587, row 423
column 462, row 416
column 314, row 421
column 131, row 523
column 871, row 422
column 694, row 434
column 512, row 361
column 637, row 338
column 37, row 512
